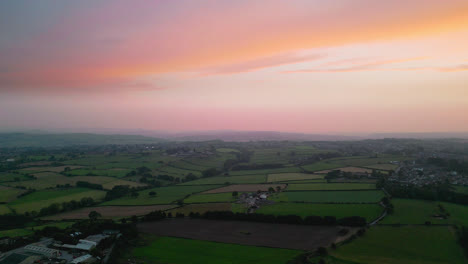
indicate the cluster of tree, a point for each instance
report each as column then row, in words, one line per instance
column 210, row 172
column 26, row 193
column 434, row 192
column 257, row 166
column 12, row 221
column 333, row 174
column 140, row 171
column 121, row 191
column 56, row 208
column 449, row 164
column 89, row 185
column 243, row 156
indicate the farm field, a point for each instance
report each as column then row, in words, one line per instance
column 181, row 251
column 40, row 199
column 348, row 169
column 292, row 177
column 12, row 177
column 404, row 245
column 232, row 179
column 47, row 169
column 245, row 188
column 320, row 166
column 110, row 212
column 329, row 196
column 51, row 179
column 202, row 208
column 368, row 211
column 210, row 198
column 164, row 195
column 299, row 237
column 30, row 230
column 461, row 189
column 4, row 209
column 265, row 171
column 384, row 166
column 407, row 211
column 8, row 194
column 330, row 186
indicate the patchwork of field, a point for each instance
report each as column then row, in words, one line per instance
column 181, row 251
column 320, row 166
column 348, row 169
column 202, row 208
column 210, row 198
column 368, row 211
column 407, row 211
column 265, row 171
column 224, row 180
column 384, row 166
column 164, row 195
column 330, row 186
column 51, row 179
column 245, row 188
column 110, row 212
column 404, row 245
column 372, row 196
column 30, row 230
column 12, row 177
column 292, row 177
column 40, row 199
column 299, row 237
column 8, row 194
column 48, row 169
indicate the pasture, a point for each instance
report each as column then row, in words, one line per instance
column 40, row 199
column 245, row 188
column 164, row 195
column 409, row 211
column 278, row 177
column 109, row 212
column 201, row 208
column 383, row 166
column 404, row 245
column 181, row 251
column 12, row 177
column 210, row 198
column 227, row 179
column 330, row 186
column 348, row 169
column 265, row 171
column 8, row 194
column 372, row 196
column 368, row 211
column 301, row 237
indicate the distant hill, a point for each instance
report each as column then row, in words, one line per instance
column 66, row 139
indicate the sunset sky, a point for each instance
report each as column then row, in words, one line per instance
column 315, row 66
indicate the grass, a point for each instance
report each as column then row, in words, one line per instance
column 4, row 209
column 322, row 165
column 407, row 211
column 8, row 194
column 330, row 186
column 265, row 171
column 404, row 245
column 461, row 189
column 40, row 199
column 164, row 195
column 12, row 177
column 368, row 211
column 330, row 196
column 226, row 150
column 385, row 166
column 181, row 251
column 210, row 198
column 201, row 208
column 292, row 176
column 19, row 232
column 232, row 179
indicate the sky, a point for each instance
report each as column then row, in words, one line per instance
column 309, row 66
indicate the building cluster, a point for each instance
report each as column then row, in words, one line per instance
column 48, row 251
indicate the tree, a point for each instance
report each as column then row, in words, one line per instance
column 152, row 193
column 271, row 190
column 134, row 194
column 278, row 188
column 235, row 193
column 93, row 215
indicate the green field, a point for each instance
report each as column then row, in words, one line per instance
column 12, row 177
column 231, row 179
column 210, row 198
column 404, row 245
column 4, row 209
column 368, row 211
column 161, row 250
column 292, row 177
column 384, row 166
column 201, row 208
column 8, row 194
column 407, row 211
column 461, row 189
column 265, row 171
column 164, row 195
column 40, row 199
column 322, row 165
column 329, row 196
column 330, row 186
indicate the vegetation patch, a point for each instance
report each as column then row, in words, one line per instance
column 278, row 177
column 330, row 186
column 246, row 188
column 210, row 198
column 329, row 196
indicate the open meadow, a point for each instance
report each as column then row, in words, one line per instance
column 371, row 196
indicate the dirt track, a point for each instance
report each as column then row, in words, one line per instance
column 261, row 234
